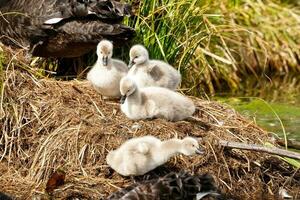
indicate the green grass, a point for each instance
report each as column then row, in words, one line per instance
column 259, row 107
column 216, row 45
column 184, row 33
column 171, row 30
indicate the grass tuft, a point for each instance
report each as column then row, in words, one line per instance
column 217, row 44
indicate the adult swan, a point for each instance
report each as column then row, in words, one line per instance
column 62, row 28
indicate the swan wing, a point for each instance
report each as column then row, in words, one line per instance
column 143, row 148
column 150, row 108
column 155, row 72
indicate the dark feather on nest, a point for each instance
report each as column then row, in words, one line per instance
column 175, row 186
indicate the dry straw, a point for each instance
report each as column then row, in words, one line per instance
column 49, row 125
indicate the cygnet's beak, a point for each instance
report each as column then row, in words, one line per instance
column 105, row 60
column 200, row 151
column 123, row 98
column 131, row 63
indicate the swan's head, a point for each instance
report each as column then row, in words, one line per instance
column 138, row 55
column 190, row 146
column 104, row 51
column 127, row 87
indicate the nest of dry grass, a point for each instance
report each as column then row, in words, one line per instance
column 48, row 125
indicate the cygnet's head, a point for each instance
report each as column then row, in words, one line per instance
column 104, row 51
column 127, row 87
column 190, row 146
column 138, row 55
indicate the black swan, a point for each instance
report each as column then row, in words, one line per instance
column 63, row 28
column 173, row 186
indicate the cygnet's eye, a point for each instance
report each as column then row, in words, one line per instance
column 135, row 57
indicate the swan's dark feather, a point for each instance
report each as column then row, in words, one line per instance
column 110, row 9
column 175, row 186
column 4, row 196
column 84, row 36
column 84, row 23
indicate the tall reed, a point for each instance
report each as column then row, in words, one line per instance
column 216, row 45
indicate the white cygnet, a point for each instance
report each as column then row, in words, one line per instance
column 153, row 102
column 106, row 73
column 148, row 72
column 138, row 156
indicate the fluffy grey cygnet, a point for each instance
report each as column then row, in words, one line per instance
column 107, row 72
column 140, row 155
column 153, row 102
column 146, row 72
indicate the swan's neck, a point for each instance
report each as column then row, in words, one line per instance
column 146, row 63
column 135, row 97
column 109, row 62
column 168, row 149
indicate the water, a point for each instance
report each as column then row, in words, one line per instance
column 277, row 115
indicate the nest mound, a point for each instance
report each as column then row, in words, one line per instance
column 50, row 125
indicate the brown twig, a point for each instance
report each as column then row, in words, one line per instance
column 290, row 143
column 77, row 89
column 259, row 148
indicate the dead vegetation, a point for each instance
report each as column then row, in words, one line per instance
column 48, row 125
